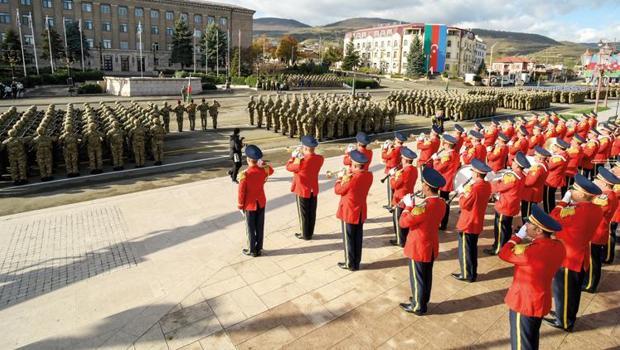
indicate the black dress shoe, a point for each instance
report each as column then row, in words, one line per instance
column 258, row 253
column 387, row 207
column 410, row 309
column 247, row 252
column 591, row 291
column 459, row 277
column 554, row 323
column 344, row 266
column 488, row 251
column 301, row 236
column 393, row 242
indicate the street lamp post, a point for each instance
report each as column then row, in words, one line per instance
column 490, row 65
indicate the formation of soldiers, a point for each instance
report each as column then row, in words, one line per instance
column 288, row 81
column 324, row 116
column 612, row 90
column 523, row 100
column 563, row 94
column 115, row 132
column 204, row 110
column 455, row 105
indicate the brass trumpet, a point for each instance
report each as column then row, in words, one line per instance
column 334, row 174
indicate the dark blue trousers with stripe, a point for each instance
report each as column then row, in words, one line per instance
column 502, row 231
column 524, row 331
column 353, row 237
column 593, row 275
column 401, row 233
column 421, row 281
column 468, row 255
column 566, row 296
column 610, row 247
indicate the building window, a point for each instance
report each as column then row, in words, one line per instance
column 198, row 33
column 155, row 46
column 46, row 4
column 87, row 7
column 169, row 16
column 169, row 31
column 68, row 21
column 154, row 30
column 184, row 17
column 25, row 20
column 210, row 20
column 107, row 62
column 223, row 22
column 447, row 66
column 139, row 12
column 448, row 54
column 449, row 43
column 123, row 11
column 123, row 27
column 50, row 22
column 90, row 43
column 198, row 19
column 106, row 26
column 88, row 24
column 138, row 45
column 154, row 14
column 67, row 4
column 28, row 40
column 107, row 44
column 124, row 45
column 26, row 2
column 105, row 8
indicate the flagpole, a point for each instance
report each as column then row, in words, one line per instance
column 141, row 57
column 194, row 50
column 81, row 43
column 239, row 48
column 205, row 36
column 49, row 42
column 217, row 52
column 21, row 42
column 228, row 53
column 34, row 44
column 64, row 29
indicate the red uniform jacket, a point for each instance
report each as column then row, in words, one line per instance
column 305, row 174
column 534, row 183
column 550, row 133
column 391, row 158
column 579, row 222
column 473, row 204
column 353, row 191
column 568, row 135
column 557, row 170
column 616, row 217
column 608, row 202
column 543, row 122
column 509, row 131
column 427, row 149
column 498, row 157
column 592, row 122
column 615, row 147
column 604, row 150
column 479, row 152
column 459, row 143
column 403, row 182
column 574, row 155
column 589, row 151
column 535, row 140
column 582, row 128
column 251, row 193
column 367, row 152
column 509, row 188
column 423, row 222
column 529, row 126
column 490, row 137
column 560, row 131
column 447, row 165
column 521, row 144
column 535, row 266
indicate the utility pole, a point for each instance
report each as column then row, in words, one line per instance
column 81, row 43
column 141, row 57
column 49, row 42
column 34, row 43
column 21, row 43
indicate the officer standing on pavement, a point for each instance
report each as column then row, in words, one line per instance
column 422, row 246
column 251, row 199
column 353, row 187
column 473, row 203
column 305, row 165
column 235, row 147
column 579, row 218
column 529, row 296
column 403, row 182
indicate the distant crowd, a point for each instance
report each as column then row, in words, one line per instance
column 13, row 90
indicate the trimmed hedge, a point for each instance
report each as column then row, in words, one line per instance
column 60, row 78
column 204, row 78
column 208, row 86
column 362, row 83
column 89, row 89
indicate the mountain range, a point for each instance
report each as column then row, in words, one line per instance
column 535, row 46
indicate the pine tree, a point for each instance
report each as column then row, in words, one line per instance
column 234, row 65
column 415, row 58
column 56, row 43
column 182, row 47
column 351, row 57
column 214, row 40
column 11, row 47
column 74, row 48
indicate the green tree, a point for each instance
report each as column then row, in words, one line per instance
column 415, row 58
column 482, row 68
column 56, row 44
column 234, row 63
column 332, row 55
column 214, row 43
column 11, row 50
column 182, row 48
column 74, row 48
column 351, row 57
column 287, row 49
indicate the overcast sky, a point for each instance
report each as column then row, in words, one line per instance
column 572, row 20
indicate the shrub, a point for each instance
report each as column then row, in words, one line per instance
column 251, row 80
column 89, row 89
column 238, row 81
column 362, row 83
column 208, row 86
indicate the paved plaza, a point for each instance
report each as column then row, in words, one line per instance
column 163, row 269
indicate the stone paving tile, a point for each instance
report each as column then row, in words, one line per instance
column 217, row 341
column 185, row 316
column 193, row 332
column 272, row 339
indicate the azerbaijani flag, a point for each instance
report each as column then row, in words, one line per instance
column 435, row 40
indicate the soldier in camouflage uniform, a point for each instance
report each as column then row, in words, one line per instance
column 191, row 114
column 138, row 136
column 116, row 138
column 94, row 147
column 70, row 143
column 260, row 110
column 157, row 142
column 213, row 112
column 18, row 161
column 165, row 114
column 43, row 149
column 203, row 108
column 251, row 109
column 179, row 110
column 268, row 112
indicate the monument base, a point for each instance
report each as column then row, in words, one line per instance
column 128, row 87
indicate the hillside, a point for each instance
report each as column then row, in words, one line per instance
column 361, row 22
column 269, row 24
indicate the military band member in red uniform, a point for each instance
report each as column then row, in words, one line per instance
column 427, row 147
column 589, row 151
column 610, row 247
column 403, row 183
column 560, row 129
column 305, row 165
column 459, row 135
column 362, row 146
column 537, row 139
column 251, row 198
column 490, row 135
column 447, row 164
column 473, row 203
column 476, row 150
column 353, row 187
column 604, row 149
column 497, row 157
column 557, row 177
column 508, row 128
column 509, row 188
column 615, row 147
column 391, row 157
column 422, row 247
column 574, row 154
column 529, row 296
column 592, row 122
column 583, row 126
column 530, row 124
column 608, row 201
column 533, row 186
column 579, row 218
column 519, row 145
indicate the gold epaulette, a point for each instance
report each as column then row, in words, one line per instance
column 509, row 178
column 567, row 211
column 241, row 176
column 418, row 209
column 467, row 188
column 267, row 168
column 519, row 249
column 601, row 200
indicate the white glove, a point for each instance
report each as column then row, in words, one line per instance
column 463, row 150
column 510, row 143
column 434, row 156
column 295, row 154
column 422, row 136
column 350, row 148
column 460, row 189
column 408, row 200
column 522, row 232
column 260, row 163
column 386, row 144
column 567, row 197
column 392, row 171
column 489, row 149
